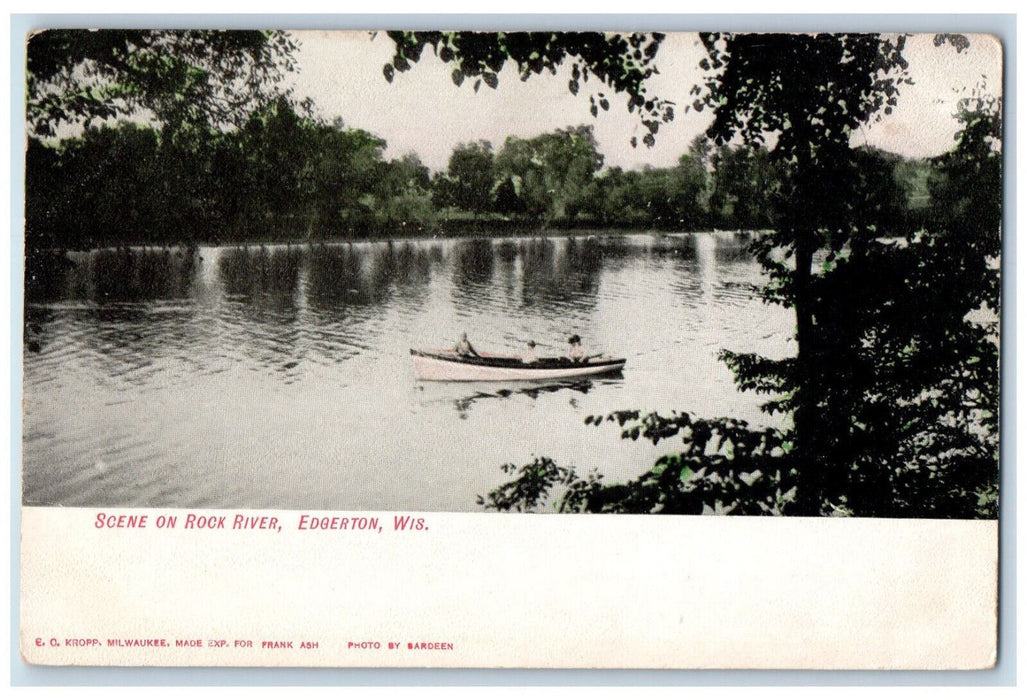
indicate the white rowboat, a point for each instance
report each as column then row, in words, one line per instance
column 447, row 366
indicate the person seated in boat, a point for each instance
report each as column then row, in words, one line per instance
column 464, row 348
column 530, row 356
column 577, row 351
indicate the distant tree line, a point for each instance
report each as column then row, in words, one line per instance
column 281, row 175
column 287, row 176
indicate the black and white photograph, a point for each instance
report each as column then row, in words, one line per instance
column 579, row 272
column 359, row 278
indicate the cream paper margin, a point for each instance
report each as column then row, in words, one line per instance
column 530, row 591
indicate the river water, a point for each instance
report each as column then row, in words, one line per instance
column 280, row 376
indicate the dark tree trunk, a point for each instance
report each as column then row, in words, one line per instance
column 809, row 500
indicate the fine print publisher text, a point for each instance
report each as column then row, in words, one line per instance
column 263, row 644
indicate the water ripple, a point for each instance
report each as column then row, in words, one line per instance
column 262, row 376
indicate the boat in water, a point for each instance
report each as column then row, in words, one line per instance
column 448, row 366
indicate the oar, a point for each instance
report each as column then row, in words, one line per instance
column 563, row 351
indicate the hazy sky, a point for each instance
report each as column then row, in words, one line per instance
column 423, row 111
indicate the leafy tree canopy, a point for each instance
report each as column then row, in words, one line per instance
column 468, row 181
column 197, row 77
column 621, row 62
column 551, row 171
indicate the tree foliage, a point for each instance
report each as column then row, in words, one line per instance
column 745, row 185
column 469, row 180
column 550, row 173
column 724, row 466
column 620, row 62
column 285, row 175
column 282, row 175
column 178, row 78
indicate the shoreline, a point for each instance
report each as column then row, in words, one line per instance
column 584, row 232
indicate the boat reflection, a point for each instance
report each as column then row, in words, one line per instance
column 532, row 389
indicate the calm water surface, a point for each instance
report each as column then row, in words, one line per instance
column 280, row 377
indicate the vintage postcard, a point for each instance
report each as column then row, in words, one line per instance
column 511, row 349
